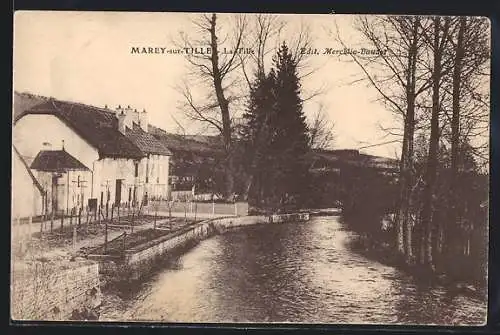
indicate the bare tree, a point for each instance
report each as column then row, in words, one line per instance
column 398, row 76
column 439, row 37
column 468, row 122
column 214, row 67
column 321, row 129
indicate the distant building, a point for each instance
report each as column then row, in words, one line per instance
column 196, row 163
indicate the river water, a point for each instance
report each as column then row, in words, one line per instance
column 293, row 272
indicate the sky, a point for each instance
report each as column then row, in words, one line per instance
column 86, row 57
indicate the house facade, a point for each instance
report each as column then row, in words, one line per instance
column 151, row 173
column 88, row 156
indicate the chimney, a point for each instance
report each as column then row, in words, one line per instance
column 124, row 116
column 136, row 118
column 143, row 120
column 118, row 110
column 121, row 121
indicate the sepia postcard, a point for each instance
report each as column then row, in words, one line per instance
column 250, row 168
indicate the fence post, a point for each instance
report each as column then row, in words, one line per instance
column 99, row 215
column 112, row 210
column 105, row 236
column 80, row 216
column 74, row 238
column 155, row 214
column 124, row 237
column 30, row 221
column 107, row 209
column 195, row 210
column 235, row 208
column 62, row 220
column 213, row 207
column 185, row 211
column 52, row 221
column 170, row 204
column 118, row 213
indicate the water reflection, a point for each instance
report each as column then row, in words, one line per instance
column 291, row 273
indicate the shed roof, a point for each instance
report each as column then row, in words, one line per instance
column 56, row 161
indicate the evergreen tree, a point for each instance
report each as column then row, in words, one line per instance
column 277, row 138
column 257, row 136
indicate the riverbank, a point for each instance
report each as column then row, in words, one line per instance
column 375, row 245
column 298, row 273
column 132, row 263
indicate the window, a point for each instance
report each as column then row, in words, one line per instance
column 136, row 169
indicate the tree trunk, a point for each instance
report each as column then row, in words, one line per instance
column 404, row 227
column 432, row 158
column 224, row 108
column 452, row 220
column 411, row 97
column 402, row 214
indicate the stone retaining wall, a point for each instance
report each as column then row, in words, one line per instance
column 45, row 291
column 137, row 261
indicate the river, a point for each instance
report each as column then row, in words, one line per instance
column 293, row 272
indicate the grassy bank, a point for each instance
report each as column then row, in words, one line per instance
column 377, row 244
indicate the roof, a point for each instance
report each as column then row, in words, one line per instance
column 56, row 161
column 25, row 101
column 182, row 144
column 146, row 142
column 35, row 181
column 353, row 158
column 97, row 126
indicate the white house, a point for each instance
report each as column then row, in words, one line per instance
column 152, row 171
column 79, row 152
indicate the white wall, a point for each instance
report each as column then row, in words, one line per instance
column 107, row 171
column 157, row 168
column 26, row 199
column 70, row 197
column 31, row 131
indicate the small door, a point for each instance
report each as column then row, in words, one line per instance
column 118, row 192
